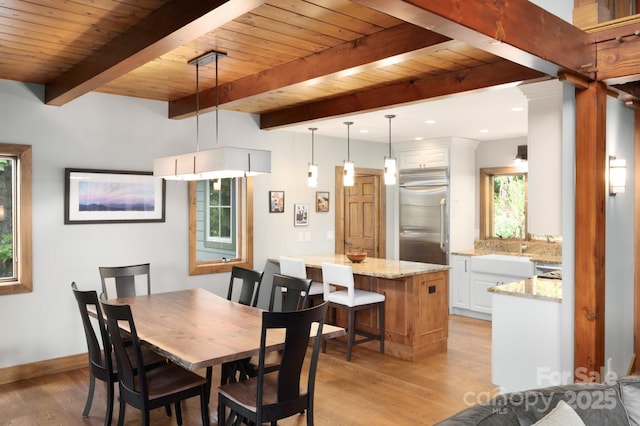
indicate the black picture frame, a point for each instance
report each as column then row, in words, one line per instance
column 112, row 196
column 276, row 201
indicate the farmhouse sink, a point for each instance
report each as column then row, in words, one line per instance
column 503, row 264
column 507, row 257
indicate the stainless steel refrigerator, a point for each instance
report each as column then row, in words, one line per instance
column 424, row 215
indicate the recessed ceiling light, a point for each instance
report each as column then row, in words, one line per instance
column 517, row 109
column 418, row 138
column 364, row 131
column 484, row 131
column 430, row 121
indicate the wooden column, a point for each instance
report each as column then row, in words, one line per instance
column 591, row 164
column 636, row 255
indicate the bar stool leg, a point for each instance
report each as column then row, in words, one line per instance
column 381, row 325
column 352, row 332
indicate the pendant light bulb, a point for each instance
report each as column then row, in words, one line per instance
column 349, row 168
column 389, row 162
column 312, row 174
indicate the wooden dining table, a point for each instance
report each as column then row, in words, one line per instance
column 197, row 329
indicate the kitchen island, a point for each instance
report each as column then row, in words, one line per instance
column 526, row 334
column 416, row 304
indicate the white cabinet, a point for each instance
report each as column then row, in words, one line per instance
column 472, row 276
column 460, row 279
column 427, row 157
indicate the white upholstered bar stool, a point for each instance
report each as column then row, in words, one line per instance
column 351, row 299
column 295, row 267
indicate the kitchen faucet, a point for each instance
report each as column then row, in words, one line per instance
column 522, row 246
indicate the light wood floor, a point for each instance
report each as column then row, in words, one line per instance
column 372, row 389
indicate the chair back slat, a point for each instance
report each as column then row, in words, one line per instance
column 125, row 279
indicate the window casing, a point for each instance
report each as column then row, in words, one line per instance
column 15, row 219
column 504, row 216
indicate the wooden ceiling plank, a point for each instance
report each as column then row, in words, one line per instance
column 516, row 30
column 485, row 76
column 327, row 15
column 355, row 10
column 405, row 39
column 167, row 28
column 300, row 21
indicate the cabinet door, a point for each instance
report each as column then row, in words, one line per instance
column 460, row 278
column 418, row 159
column 479, row 296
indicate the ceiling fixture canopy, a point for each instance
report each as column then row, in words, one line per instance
column 312, row 175
column 349, row 170
column 389, row 162
column 215, row 163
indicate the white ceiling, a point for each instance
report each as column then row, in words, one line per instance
column 462, row 115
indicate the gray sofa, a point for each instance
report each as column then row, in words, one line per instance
column 616, row 403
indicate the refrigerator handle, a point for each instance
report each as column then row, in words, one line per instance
column 442, row 223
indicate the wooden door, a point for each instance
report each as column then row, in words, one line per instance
column 360, row 214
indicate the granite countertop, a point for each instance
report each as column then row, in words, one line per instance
column 533, row 288
column 374, row 267
column 535, row 257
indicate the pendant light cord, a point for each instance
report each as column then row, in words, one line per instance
column 217, row 100
column 197, row 107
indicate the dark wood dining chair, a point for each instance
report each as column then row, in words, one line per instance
column 294, row 298
column 250, row 289
column 351, row 300
column 250, row 281
column 125, row 279
column 269, row 397
column 146, row 389
column 102, row 363
column 294, row 292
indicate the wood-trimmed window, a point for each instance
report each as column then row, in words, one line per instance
column 489, row 185
column 15, row 219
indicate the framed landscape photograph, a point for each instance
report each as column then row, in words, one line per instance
column 322, row 201
column 276, row 201
column 301, row 214
column 112, row 196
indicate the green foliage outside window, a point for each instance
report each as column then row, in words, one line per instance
column 220, row 208
column 508, row 206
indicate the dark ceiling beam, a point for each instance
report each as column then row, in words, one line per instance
column 401, row 42
column 489, row 75
column 169, row 27
column 618, row 52
column 516, row 30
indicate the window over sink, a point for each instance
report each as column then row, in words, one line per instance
column 503, row 202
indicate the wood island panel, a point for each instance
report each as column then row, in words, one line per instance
column 416, row 302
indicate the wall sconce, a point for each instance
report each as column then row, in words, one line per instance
column 312, row 174
column 349, row 171
column 617, row 175
column 521, row 156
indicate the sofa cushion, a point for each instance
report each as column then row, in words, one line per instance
column 630, row 392
column 561, row 415
column 596, row 403
column 484, row 414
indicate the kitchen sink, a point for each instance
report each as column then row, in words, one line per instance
column 503, row 264
column 508, row 257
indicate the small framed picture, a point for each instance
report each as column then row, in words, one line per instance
column 322, row 201
column 276, row 201
column 301, row 214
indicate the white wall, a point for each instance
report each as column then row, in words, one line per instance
column 619, row 243
column 110, row 132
